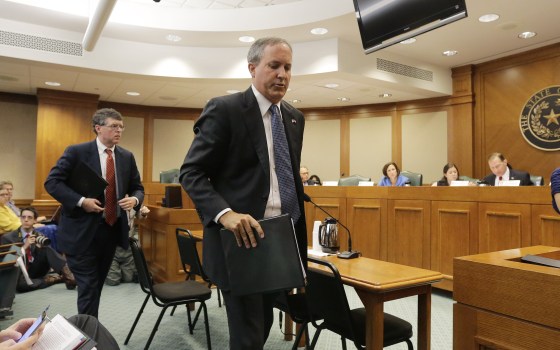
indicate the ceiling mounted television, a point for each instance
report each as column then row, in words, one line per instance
column 386, row 22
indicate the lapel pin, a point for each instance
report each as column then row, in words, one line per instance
column 294, row 121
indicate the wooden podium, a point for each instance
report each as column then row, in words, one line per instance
column 503, row 303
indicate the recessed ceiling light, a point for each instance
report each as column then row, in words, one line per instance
column 526, row 35
column 132, row 93
column 172, row 37
column 343, row 99
column 296, row 101
column 246, row 39
column 331, row 85
column 385, row 95
column 449, row 53
column 408, row 41
column 232, row 91
column 490, row 17
column 52, row 83
column 319, row 31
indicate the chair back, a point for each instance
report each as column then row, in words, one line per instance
column 144, row 275
column 352, row 180
column 189, row 253
column 326, row 299
column 415, row 178
column 537, row 180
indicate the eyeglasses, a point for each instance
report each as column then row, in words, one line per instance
column 115, row 127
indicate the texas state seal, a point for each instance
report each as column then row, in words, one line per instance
column 539, row 119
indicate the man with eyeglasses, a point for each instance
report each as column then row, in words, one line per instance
column 91, row 228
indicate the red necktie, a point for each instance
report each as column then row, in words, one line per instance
column 111, row 191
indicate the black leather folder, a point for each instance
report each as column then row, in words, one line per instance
column 273, row 265
column 85, row 181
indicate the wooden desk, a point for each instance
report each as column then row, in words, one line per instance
column 503, row 303
column 157, row 235
column 427, row 227
column 378, row 281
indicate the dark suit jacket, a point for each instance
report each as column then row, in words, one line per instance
column 76, row 228
column 525, row 179
column 227, row 167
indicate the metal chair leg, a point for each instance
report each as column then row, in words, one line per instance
column 136, row 320
column 154, row 330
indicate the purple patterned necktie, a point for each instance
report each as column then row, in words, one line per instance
column 283, row 167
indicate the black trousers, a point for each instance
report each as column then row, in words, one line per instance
column 249, row 319
column 44, row 259
column 91, row 267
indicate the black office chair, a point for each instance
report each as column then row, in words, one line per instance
column 327, row 300
column 190, row 259
column 295, row 305
column 415, row 178
column 166, row 294
column 537, row 180
column 352, row 180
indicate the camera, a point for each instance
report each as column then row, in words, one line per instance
column 42, row 240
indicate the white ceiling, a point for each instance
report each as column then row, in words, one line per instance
column 133, row 55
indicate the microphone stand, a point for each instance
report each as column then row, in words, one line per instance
column 349, row 254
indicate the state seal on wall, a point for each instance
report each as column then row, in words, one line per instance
column 539, row 120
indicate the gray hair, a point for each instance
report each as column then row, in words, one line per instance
column 256, row 51
column 101, row 115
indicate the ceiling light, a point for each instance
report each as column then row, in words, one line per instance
column 132, row 93
column 319, row 31
column 408, row 41
column 343, row 99
column 172, row 37
column 296, row 101
column 385, row 95
column 526, row 35
column 246, row 39
column 449, row 53
column 232, row 91
column 331, row 85
column 490, row 17
column 52, row 83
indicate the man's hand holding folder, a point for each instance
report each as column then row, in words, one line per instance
column 272, row 264
column 242, row 225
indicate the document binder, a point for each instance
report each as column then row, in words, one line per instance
column 273, row 265
column 85, row 181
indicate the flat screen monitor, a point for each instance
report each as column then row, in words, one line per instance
column 173, row 197
column 386, row 22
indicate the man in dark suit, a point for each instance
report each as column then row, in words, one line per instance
column 90, row 228
column 234, row 176
column 501, row 171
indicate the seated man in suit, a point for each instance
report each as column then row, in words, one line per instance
column 38, row 258
column 304, row 174
column 501, row 171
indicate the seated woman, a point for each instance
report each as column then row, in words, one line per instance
column 392, row 176
column 316, row 179
column 450, row 173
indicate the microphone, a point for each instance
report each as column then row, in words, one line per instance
column 350, row 254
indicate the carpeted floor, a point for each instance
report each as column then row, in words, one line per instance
column 120, row 304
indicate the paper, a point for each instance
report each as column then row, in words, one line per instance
column 21, row 265
column 315, row 235
column 59, row 334
column 317, row 253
